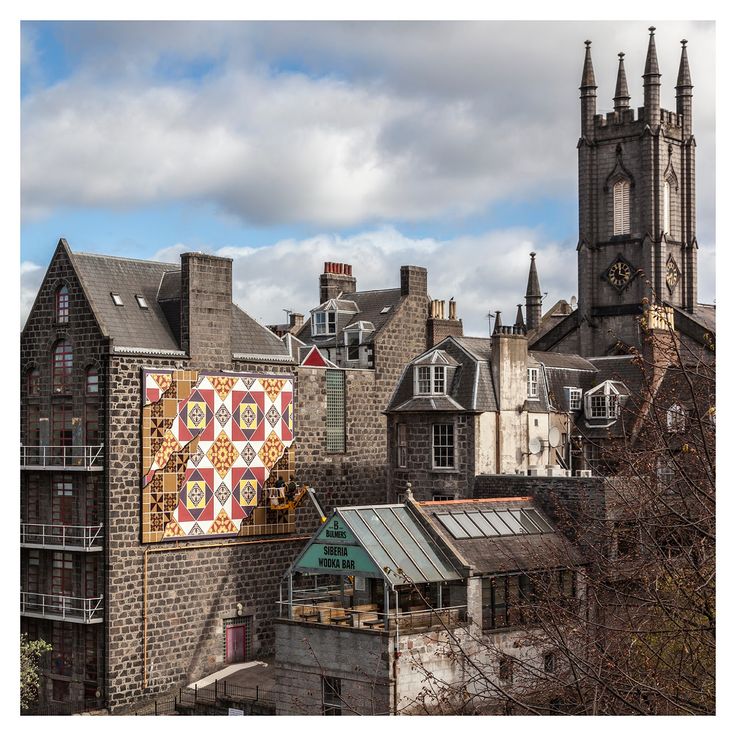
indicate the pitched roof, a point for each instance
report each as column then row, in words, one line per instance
column 127, row 325
column 156, row 328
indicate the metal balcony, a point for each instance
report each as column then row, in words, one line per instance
column 62, row 537
column 64, row 457
column 61, row 608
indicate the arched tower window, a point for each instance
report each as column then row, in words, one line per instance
column 667, row 209
column 621, row 223
column 92, row 381
column 62, row 304
column 62, row 362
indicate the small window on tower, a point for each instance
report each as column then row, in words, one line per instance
column 621, row 224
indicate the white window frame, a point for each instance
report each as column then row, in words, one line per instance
column 430, row 380
column 621, row 207
column 602, row 402
column 355, row 346
column 574, row 398
column 532, row 383
column 402, row 449
column 676, row 418
column 323, row 323
column 449, row 446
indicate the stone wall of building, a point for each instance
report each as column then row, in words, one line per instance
column 307, row 652
column 428, row 482
column 192, row 588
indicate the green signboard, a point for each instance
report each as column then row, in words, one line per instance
column 335, row 531
column 340, row 559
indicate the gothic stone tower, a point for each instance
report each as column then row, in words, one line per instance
column 636, row 190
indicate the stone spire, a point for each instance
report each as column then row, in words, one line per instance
column 621, row 96
column 587, row 95
column 684, row 92
column 519, row 324
column 651, row 82
column 533, row 297
column 497, row 323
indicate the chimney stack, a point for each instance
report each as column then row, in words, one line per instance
column 337, row 278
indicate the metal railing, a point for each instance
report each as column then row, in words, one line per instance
column 61, row 607
column 331, row 614
column 212, row 699
column 72, row 457
column 62, row 536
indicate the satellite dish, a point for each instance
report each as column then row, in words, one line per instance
column 573, row 301
column 535, row 446
column 554, row 437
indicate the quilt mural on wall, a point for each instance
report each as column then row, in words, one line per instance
column 209, row 442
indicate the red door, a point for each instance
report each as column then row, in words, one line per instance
column 237, row 643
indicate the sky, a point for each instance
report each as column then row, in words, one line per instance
column 450, row 145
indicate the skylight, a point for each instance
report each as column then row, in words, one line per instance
column 504, row 522
column 385, row 310
column 141, row 301
column 116, row 299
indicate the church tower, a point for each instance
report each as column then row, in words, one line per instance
column 636, row 200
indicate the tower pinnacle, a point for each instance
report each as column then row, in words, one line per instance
column 684, row 92
column 621, row 96
column 651, row 82
column 533, row 297
column 587, row 95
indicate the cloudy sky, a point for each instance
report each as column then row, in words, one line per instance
column 450, row 145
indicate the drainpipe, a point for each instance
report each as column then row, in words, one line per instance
column 498, row 442
column 396, row 654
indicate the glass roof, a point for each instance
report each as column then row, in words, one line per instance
column 397, row 544
column 494, row 523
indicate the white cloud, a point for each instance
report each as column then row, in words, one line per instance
column 285, row 275
column 31, row 276
column 336, row 125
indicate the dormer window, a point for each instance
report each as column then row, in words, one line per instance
column 574, row 398
column 604, row 401
column 323, row 323
column 352, row 341
column 429, row 380
column 532, row 383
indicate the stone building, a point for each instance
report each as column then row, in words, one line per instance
column 363, row 340
column 157, row 418
column 637, row 230
column 423, row 579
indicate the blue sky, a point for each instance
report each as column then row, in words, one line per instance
column 448, row 145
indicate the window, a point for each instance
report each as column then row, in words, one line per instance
column 666, row 209
column 323, row 323
column 603, row 401
column 352, row 340
column 62, row 305
column 575, row 398
column 141, row 301
column 90, row 653
column 34, row 382
column 62, row 655
column 63, row 360
column 116, row 299
column 665, row 473
column 62, row 425
column 335, row 385
column 506, row 669
column 61, row 691
column 676, row 418
column 91, row 423
column 62, row 501
column 532, row 383
column 331, row 697
column 621, row 224
column 401, row 448
column 550, row 665
column 443, row 446
column 92, row 382
column 429, row 379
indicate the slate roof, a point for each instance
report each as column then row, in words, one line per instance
column 156, row 328
column 129, row 325
column 504, row 554
column 369, row 305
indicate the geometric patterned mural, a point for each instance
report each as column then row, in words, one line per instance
column 209, row 442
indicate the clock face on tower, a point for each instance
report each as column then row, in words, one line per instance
column 672, row 276
column 619, row 273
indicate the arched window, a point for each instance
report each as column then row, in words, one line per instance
column 676, row 418
column 92, row 381
column 34, row 382
column 666, row 209
column 62, row 304
column 63, row 359
column 621, row 224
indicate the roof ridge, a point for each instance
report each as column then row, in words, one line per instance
column 174, row 266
